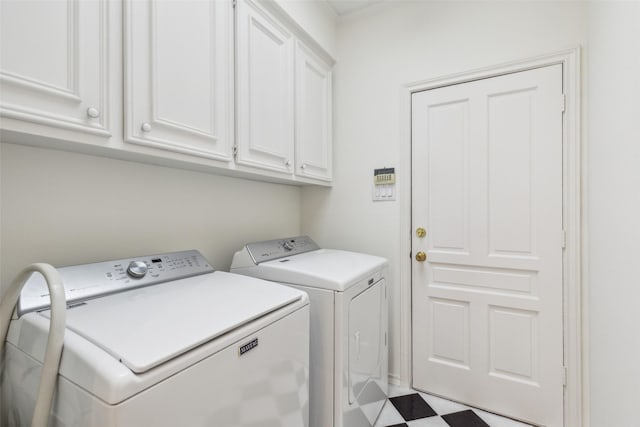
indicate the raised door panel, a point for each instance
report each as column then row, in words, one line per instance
column 313, row 115
column 265, row 125
column 54, row 62
column 448, row 205
column 179, row 76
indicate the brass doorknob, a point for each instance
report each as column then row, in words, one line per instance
column 421, row 256
column 421, row 232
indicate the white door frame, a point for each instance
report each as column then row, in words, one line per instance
column 575, row 303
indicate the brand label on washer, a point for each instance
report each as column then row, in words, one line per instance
column 248, row 346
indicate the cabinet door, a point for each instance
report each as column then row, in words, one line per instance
column 265, row 90
column 179, row 76
column 313, row 115
column 54, row 62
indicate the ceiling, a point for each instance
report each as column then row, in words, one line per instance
column 344, row 7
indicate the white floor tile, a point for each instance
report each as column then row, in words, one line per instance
column 389, row 416
column 497, row 421
column 428, row 422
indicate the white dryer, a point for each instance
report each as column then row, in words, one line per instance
column 163, row 341
column 349, row 355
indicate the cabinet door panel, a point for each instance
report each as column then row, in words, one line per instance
column 265, row 91
column 313, row 115
column 179, row 81
column 54, row 62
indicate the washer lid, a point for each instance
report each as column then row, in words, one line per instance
column 148, row 326
column 324, row 268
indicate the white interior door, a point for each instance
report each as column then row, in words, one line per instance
column 487, row 188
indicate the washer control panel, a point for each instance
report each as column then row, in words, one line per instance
column 280, row 248
column 85, row 282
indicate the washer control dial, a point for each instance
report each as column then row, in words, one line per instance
column 137, row 269
column 288, row 245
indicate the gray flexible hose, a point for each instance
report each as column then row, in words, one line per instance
column 57, row 325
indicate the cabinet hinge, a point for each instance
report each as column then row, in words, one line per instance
column 565, row 373
column 564, row 238
column 563, row 102
column 235, row 151
column 234, row 3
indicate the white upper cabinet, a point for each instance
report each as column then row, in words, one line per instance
column 234, row 87
column 53, row 64
column 313, row 115
column 283, row 95
column 265, row 92
column 179, row 76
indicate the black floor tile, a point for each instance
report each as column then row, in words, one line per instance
column 466, row 418
column 399, row 425
column 412, row 407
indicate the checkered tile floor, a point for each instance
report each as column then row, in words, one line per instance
column 409, row 408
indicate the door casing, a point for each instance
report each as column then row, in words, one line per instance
column 574, row 188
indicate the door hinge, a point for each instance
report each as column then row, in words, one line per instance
column 233, row 3
column 563, row 102
column 565, row 374
column 235, row 151
column 564, row 238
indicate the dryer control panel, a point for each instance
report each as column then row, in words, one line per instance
column 280, row 248
column 85, row 282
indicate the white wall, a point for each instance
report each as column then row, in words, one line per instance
column 613, row 173
column 379, row 51
column 65, row 208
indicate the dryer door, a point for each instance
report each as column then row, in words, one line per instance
column 367, row 345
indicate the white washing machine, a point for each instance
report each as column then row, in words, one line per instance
column 163, row 340
column 349, row 355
